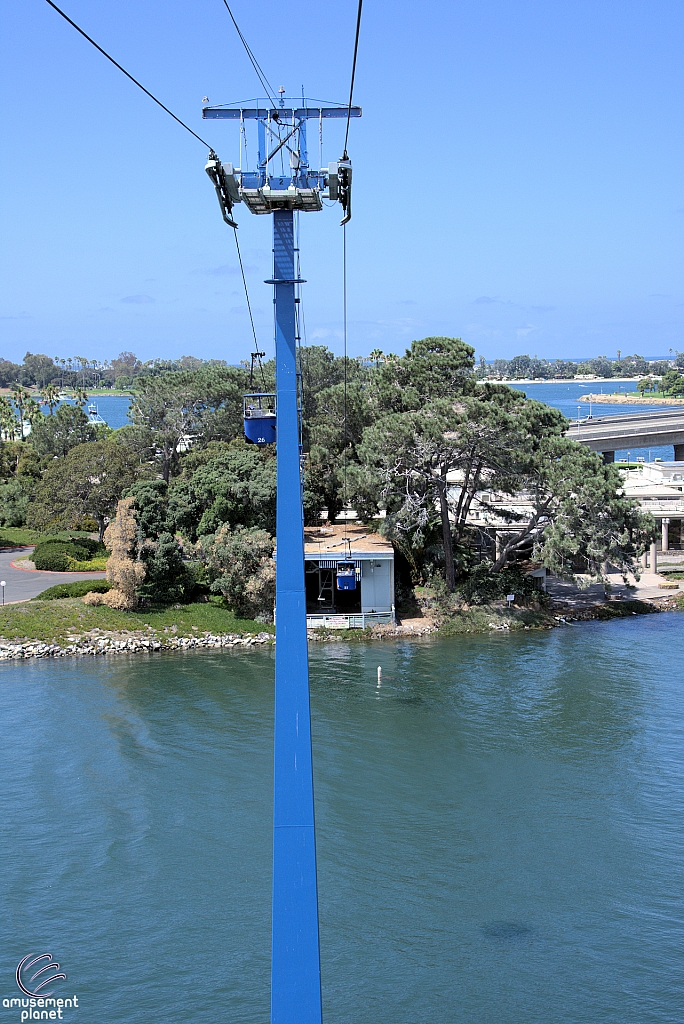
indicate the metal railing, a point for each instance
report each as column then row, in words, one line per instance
column 358, row 620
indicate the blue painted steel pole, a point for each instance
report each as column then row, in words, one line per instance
column 295, row 964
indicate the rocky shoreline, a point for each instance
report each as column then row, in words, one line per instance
column 98, row 643
column 95, row 645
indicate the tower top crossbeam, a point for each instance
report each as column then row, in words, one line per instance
column 281, row 130
column 300, row 108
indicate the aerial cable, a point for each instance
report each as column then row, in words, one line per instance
column 353, row 74
column 126, row 73
column 270, row 91
column 344, row 390
column 257, row 353
column 344, row 274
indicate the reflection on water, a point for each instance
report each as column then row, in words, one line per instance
column 499, row 828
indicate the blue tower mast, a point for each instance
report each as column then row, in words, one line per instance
column 295, row 958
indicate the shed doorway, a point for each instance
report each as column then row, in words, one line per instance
column 322, row 595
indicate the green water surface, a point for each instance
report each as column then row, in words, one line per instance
column 499, row 829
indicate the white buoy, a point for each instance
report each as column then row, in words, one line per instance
column 379, row 675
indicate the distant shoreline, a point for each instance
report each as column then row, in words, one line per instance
column 628, row 400
column 96, row 393
column 572, row 380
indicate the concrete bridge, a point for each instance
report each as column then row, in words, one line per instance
column 607, row 434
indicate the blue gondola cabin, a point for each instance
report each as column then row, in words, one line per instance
column 259, row 419
column 346, row 576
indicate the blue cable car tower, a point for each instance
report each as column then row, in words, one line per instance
column 271, row 188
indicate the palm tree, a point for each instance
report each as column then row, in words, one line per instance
column 50, row 397
column 32, row 411
column 8, row 421
column 376, row 357
column 20, row 397
column 80, row 396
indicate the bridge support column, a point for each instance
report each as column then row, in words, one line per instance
column 679, row 453
column 608, row 456
column 654, row 558
column 665, row 527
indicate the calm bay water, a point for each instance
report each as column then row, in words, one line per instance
column 565, row 396
column 499, row 829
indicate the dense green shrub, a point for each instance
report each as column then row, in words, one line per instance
column 241, row 566
column 77, row 589
column 483, row 586
column 93, row 547
column 50, row 559
column 166, row 577
column 14, row 499
column 74, row 549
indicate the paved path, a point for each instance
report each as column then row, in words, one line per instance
column 647, row 589
column 22, row 585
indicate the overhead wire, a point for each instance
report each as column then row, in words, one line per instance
column 270, row 92
column 344, row 390
column 353, row 74
column 188, row 129
column 266, row 85
column 344, row 276
column 249, row 308
column 127, row 74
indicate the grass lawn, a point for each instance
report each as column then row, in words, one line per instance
column 54, row 621
column 14, row 536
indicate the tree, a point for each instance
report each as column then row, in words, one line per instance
column 89, row 480
column 14, row 502
column 123, row 570
column 577, row 509
column 166, row 576
column 519, row 366
column 50, row 396
column 126, row 364
column 241, row 565
column 151, row 508
column 186, row 407
column 644, row 385
column 57, row 435
column 601, row 366
column 672, row 383
column 227, row 483
column 21, row 398
column 37, row 370
column 9, row 425
column 431, row 369
column 9, row 372
column 426, row 467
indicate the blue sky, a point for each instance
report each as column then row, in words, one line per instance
column 518, row 176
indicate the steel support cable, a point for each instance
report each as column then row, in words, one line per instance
column 249, row 307
column 126, row 73
column 353, row 74
column 344, row 273
column 266, row 85
column 344, row 387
